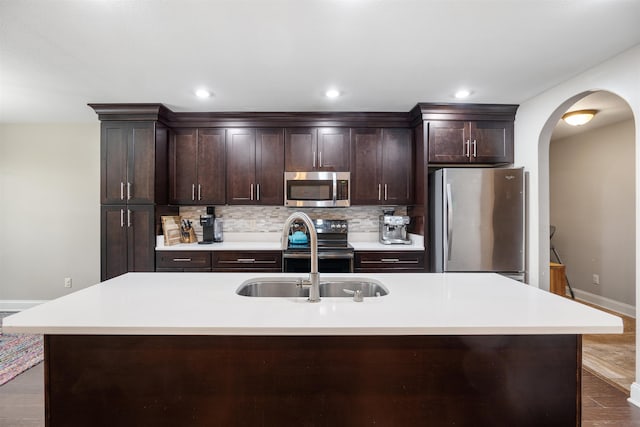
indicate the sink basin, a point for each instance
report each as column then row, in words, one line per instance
column 288, row 287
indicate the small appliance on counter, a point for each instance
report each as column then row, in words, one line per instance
column 393, row 228
column 211, row 227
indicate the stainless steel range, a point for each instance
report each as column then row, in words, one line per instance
column 335, row 254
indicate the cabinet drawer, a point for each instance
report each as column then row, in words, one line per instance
column 183, row 261
column 385, row 261
column 247, row 261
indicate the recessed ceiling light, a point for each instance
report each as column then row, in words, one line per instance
column 203, row 93
column 462, row 93
column 332, row 93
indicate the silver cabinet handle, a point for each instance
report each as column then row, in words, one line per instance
column 389, row 260
column 320, row 159
column 314, row 159
column 257, row 191
column 121, row 190
column 251, row 197
column 128, row 217
column 199, row 192
column 475, row 153
column 121, row 218
column 193, row 191
column 379, row 192
column 246, row 260
column 466, row 148
column 128, row 191
column 449, row 222
column 182, row 259
column 385, row 192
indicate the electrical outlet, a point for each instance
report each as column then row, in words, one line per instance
column 67, row 282
column 596, row 279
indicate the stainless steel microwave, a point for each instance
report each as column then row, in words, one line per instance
column 317, row 189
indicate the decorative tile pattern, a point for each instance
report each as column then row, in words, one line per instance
column 269, row 219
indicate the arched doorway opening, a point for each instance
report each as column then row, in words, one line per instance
column 590, row 181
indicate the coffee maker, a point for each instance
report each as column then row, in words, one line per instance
column 211, row 227
column 393, row 228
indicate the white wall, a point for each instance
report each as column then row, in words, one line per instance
column 49, row 209
column 592, row 195
column 534, row 125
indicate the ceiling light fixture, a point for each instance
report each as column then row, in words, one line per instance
column 462, row 93
column 332, row 93
column 203, row 93
column 579, row 117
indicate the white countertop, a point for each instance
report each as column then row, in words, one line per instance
column 206, row 304
column 271, row 242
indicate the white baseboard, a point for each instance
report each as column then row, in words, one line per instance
column 18, row 304
column 635, row 394
column 605, row 302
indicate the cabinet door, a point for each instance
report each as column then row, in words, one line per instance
column 241, row 165
column 113, row 241
column 397, row 166
column 492, row 142
column 211, row 167
column 141, row 238
column 366, row 188
column 300, row 145
column 448, row 142
column 113, row 162
column 333, row 149
column 183, row 154
column 270, row 166
column 141, row 163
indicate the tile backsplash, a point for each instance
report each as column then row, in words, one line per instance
column 256, row 219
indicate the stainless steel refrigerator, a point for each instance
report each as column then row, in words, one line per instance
column 477, row 220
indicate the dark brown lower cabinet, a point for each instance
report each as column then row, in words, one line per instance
column 127, row 239
column 389, row 262
column 487, row 380
column 247, row 261
column 183, row 261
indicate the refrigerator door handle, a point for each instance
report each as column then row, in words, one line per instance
column 449, row 221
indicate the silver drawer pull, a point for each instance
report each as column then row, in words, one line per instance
column 182, row 259
column 389, row 260
column 246, row 260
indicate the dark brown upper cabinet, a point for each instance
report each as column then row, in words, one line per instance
column 133, row 159
column 255, row 166
column 317, row 149
column 382, row 166
column 470, row 142
column 197, row 166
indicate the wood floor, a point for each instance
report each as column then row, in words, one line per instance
column 22, row 402
column 612, row 356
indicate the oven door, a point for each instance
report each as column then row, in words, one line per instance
column 338, row 262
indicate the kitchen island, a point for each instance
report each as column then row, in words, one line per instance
column 439, row 349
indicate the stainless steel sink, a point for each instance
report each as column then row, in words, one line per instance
column 289, row 287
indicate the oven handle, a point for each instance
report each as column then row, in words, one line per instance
column 321, row 255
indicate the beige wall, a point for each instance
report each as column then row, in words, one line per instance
column 49, row 209
column 592, row 204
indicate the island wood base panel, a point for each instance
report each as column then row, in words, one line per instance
column 312, row 381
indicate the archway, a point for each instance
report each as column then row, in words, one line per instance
column 542, row 201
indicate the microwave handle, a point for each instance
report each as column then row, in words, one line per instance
column 335, row 188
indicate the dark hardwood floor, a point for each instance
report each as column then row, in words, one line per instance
column 22, row 402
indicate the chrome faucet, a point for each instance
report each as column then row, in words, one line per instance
column 314, row 277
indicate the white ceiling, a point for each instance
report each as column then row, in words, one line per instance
column 281, row 55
